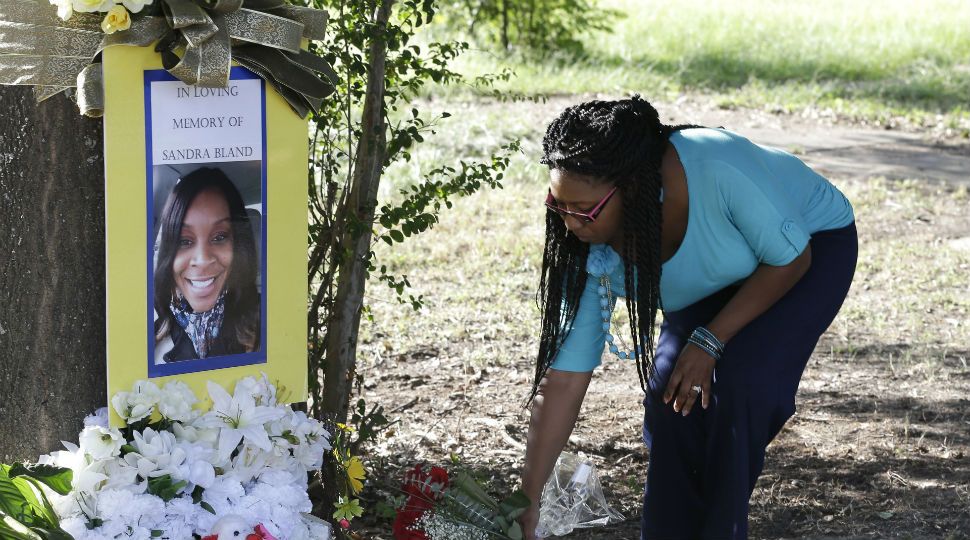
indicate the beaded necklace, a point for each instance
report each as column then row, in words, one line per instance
column 601, row 261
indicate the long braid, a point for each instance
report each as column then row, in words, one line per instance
column 609, row 141
column 558, row 288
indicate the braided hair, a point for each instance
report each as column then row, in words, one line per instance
column 620, row 142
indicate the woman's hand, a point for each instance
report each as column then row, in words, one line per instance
column 554, row 413
column 694, row 368
column 529, row 519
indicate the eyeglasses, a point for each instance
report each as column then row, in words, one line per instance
column 585, row 217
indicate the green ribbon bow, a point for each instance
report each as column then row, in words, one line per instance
column 197, row 39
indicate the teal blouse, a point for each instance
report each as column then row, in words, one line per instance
column 748, row 205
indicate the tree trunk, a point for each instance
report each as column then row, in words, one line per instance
column 52, row 293
column 344, row 324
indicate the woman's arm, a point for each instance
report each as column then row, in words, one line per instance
column 554, row 413
column 759, row 292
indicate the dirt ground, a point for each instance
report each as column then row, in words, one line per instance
column 879, row 447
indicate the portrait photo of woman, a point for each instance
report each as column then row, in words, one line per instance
column 206, row 297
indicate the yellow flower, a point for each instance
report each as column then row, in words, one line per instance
column 355, row 474
column 116, row 20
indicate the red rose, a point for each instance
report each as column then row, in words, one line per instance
column 404, row 527
column 423, row 489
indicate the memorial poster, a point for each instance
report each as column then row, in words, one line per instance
column 206, row 228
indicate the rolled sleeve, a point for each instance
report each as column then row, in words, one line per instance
column 764, row 215
column 583, row 347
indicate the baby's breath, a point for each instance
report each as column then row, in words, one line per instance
column 439, row 527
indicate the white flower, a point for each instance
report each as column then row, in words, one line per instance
column 248, row 464
column 314, row 441
column 197, row 467
column 176, row 402
column 116, row 20
column 181, row 519
column 65, row 9
column 239, row 417
column 263, row 391
column 135, row 6
column 91, row 6
column 223, row 494
column 161, row 449
column 101, row 443
column 129, row 516
column 318, row 528
column 86, row 473
column 98, row 418
column 123, row 474
column 77, row 527
column 196, row 434
column 201, row 473
column 137, row 404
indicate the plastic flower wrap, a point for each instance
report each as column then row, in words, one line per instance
column 174, row 471
column 573, row 499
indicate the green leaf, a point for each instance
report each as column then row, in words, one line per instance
column 52, row 534
column 12, row 501
column 39, row 505
column 163, row 487
column 396, row 235
column 467, row 485
column 515, row 504
column 515, row 532
column 11, row 528
column 57, row 478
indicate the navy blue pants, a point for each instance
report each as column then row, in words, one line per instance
column 703, row 467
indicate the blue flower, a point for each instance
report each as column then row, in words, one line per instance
column 602, row 260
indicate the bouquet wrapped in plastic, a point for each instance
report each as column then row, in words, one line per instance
column 573, row 499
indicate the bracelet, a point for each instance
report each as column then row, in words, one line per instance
column 703, row 339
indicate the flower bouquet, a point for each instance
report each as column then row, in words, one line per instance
column 237, row 470
column 440, row 508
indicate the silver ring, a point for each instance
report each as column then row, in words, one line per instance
column 697, row 388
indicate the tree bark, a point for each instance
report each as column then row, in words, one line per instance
column 52, row 293
column 344, row 324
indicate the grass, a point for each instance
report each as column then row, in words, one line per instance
column 478, row 270
column 872, row 61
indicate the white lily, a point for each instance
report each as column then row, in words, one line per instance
column 87, row 474
column 100, row 442
column 123, row 475
column 238, row 417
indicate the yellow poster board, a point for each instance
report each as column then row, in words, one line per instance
column 205, row 215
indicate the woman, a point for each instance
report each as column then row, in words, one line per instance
column 748, row 253
column 205, row 278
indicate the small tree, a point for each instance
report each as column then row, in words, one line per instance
column 356, row 137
